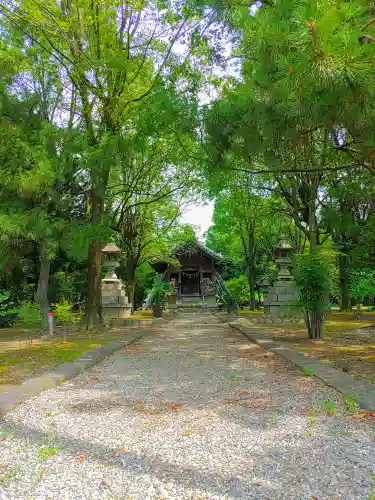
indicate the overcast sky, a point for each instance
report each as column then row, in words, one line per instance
column 199, row 216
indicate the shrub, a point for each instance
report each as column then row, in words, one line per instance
column 362, row 285
column 8, row 309
column 316, row 278
column 157, row 297
column 30, row 317
column 65, row 314
column 239, row 288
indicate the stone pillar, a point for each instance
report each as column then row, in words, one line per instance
column 265, row 286
column 209, row 293
column 115, row 304
column 172, row 299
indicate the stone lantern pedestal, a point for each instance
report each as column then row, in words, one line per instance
column 115, row 304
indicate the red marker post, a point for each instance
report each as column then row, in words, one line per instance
column 51, row 323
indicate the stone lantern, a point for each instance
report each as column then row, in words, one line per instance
column 115, row 303
column 282, row 296
column 111, row 253
column 284, row 253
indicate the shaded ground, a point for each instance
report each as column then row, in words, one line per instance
column 24, row 354
column 344, row 346
column 192, row 411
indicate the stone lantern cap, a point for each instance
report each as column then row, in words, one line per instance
column 111, row 249
column 282, row 243
column 283, row 248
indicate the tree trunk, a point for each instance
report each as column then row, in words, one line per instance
column 252, row 293
column 313, row 233
column 41, row 295
column 251, row 260
column 259, row 302
column 344, row 283
column 157, row 309
column 315, row 324
column 93, row 299
column 131, row 292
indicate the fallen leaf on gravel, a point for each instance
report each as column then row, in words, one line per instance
column 82, row 458
column 175, row 406
column 229, row 401
column 157, row 379
column 186, row 365
column 118, row 450
column 188, row 433
column 19, row 419
column 259, row 483
column 236, row 381
column 142, row 374
column 314, row 498
column 244, row 393
column 361, row 415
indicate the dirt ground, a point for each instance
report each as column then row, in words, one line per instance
column 348, row 343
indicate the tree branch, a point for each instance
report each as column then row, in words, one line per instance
column 296, row 170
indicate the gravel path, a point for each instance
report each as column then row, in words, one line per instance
column 189, row 412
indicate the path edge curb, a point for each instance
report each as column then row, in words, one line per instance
column 16, row 395
column 341, row 382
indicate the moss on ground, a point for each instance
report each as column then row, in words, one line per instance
column 246, row 313
column 22, row 355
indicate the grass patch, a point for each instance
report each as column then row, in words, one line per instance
column 7, row 473
column 48, row 450
column 141, row 315
column 22, row 358
column 247, row 313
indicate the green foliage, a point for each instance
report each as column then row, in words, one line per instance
column 145, row 277
column 119, row 157
column 29, row 317
column 372, row 489
column 316, row 278
column 329, row 406
column 158, row 296
column 308, row 372
column 239, row 288
column 351, row 404
column 246, row 227
column 228, row 301
column 48, row 450
column 65, row 314
column 362, row 285
column 69, row 285
column 7, row 474
column 8, row 308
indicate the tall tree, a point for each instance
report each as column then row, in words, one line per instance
column 348, row 213
column 114, row 62
column 246, row 226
